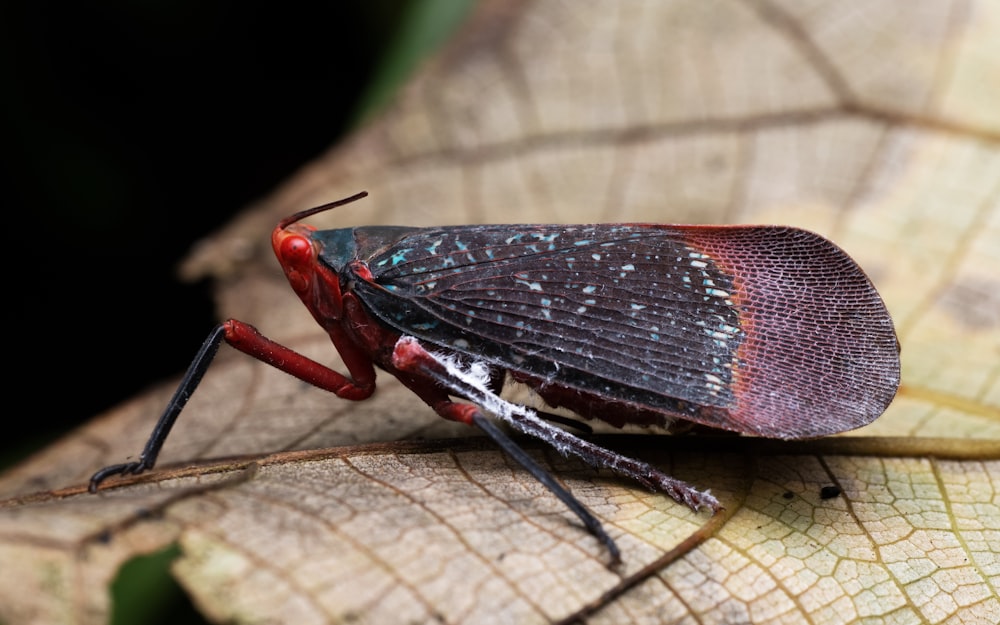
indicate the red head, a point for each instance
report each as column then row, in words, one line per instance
column 298, row 252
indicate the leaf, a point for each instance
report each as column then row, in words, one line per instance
column 874, row 124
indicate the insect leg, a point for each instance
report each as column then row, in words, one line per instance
column 512, row 449
column 160, row 431
column 577, row 425
column 416, row 366
column 248, row 340
column 409, row 355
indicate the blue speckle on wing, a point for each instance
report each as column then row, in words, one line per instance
column 399, row 256
column 620, row 299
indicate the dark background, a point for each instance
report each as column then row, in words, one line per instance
column 131, row 130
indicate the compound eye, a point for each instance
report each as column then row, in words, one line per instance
column 296, row 251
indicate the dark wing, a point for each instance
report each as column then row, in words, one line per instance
column 757, row 329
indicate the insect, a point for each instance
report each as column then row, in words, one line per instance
column 760, row 330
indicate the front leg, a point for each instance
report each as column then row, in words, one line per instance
column 248, row 340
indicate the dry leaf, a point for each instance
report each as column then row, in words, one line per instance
column 873, row 123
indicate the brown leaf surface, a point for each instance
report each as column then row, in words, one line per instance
column 873, row 123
